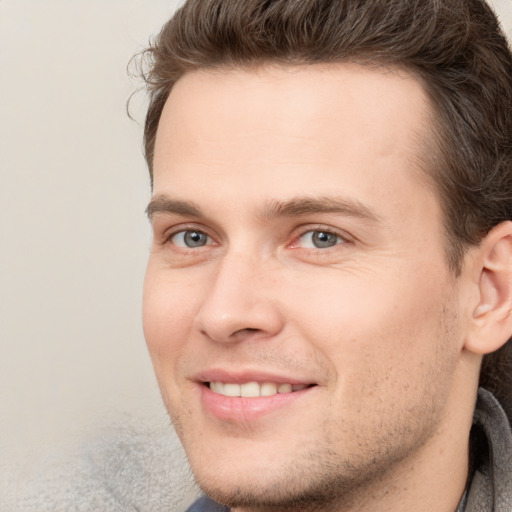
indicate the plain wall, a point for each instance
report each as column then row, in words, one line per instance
column 73, row 234
column 74, row 237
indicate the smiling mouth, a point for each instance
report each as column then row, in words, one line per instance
column 254, row 389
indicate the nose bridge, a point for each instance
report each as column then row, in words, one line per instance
column 239, row 302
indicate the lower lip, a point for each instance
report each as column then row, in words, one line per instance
column 243, row 410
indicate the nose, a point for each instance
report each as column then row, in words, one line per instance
column 241, row 302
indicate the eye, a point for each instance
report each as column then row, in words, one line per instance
column 319, row 239
column 190, row 239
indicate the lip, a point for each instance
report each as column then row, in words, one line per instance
column 239, row 377
column 244, row 410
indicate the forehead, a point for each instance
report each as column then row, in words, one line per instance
column 307, row 125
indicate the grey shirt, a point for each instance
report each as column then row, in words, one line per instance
column 490, row 487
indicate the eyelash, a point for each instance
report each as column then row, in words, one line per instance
column 341, row 238
column 194, row 231
column 167, row 237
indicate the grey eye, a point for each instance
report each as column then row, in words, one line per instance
column 190, row 239
column 319, row 240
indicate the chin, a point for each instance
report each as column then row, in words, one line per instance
column 284, row 493
column 302, row 480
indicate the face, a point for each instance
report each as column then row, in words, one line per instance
column 298, row 307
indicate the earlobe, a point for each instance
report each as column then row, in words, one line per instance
column 492, row 316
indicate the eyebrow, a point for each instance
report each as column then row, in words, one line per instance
column 168, row 205
column 325, row 204
column 294, row 207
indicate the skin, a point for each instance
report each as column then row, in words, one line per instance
column 258, row 161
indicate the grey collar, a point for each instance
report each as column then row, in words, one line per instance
column 490, row 488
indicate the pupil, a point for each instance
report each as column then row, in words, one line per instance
column 322, row 239
column 195, row 239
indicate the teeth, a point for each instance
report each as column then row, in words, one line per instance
column 268, row 389
column 253, row 389
column 231, row 389
column 217, row 387
column 284, row 388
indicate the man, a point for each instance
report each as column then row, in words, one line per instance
column 332, row 255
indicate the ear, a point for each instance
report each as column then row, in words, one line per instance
column 491, row 324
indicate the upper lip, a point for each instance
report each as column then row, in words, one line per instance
column 241, row 377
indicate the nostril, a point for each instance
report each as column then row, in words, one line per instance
column 245, row 330
column 232, row 323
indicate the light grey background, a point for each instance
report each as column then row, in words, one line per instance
column 73, row 235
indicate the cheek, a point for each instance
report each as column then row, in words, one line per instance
column 372, row 330
column 388, row 353
column 168, row 315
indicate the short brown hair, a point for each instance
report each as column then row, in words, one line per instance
column 454, row 47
